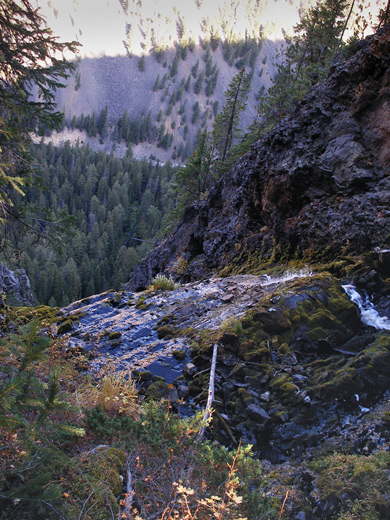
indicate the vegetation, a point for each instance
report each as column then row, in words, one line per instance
column 214, row 151
column 163, row 283
column 226, row 128
column 86, row 446
column 306, row 61
column 116, row 205
column 64, row 450
column 196, row 177
column 37, row 64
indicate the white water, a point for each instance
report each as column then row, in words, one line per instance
column 287, row 276
column 370, row 315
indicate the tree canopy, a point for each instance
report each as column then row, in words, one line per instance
column 33, row 65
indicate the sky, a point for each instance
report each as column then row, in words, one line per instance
column 100, row 25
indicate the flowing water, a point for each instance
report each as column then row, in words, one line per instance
column 369, row 314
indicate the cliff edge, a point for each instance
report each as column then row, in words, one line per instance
column 316, row 187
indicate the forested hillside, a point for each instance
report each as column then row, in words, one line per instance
column 178, row 91
column 113, row 201
column 171, row 64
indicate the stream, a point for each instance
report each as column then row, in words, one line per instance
column 369, row 314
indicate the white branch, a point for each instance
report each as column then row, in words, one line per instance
column 211, row 394
column 129, row 492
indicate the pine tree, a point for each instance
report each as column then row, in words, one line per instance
column 156, row 83
column 317, row 39
column 141, row 63
column 29, row 58
column 102, row 122
column 27, row 407
column 226, row 126
column 195, row 178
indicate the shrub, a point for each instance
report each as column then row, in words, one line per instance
column 116, row 394
column 163, row 283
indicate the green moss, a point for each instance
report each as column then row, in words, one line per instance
column 362, row 478
column 259, row 354
column 166, row 332
column 194, row 388
column 278, row 381
column 145, row 375
column 288, row 393
column 179, row 354
column 116, row 299
column 141, row 303
column 159, row 390
column 65, row 327
column 343, row 383
column 284, row 349
column 245, row 396
column 114, row 335
column 46, row 315
column 158, row 378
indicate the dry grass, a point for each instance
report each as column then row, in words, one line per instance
column 116, row 393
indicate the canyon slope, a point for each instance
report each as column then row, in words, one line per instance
column 314, row 188
column 285, row 266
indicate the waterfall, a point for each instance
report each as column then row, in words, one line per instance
column 369, row 314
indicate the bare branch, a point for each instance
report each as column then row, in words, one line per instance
column 211, row 393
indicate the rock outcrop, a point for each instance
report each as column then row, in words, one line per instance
column 15, row 285
column 316, row 187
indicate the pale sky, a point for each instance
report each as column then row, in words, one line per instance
column 100, row 25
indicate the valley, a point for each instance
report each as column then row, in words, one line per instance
column 237, row 265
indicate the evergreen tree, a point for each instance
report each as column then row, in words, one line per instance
column 110, row 199
column 198, row 83
column 156, row 83
column 141, row 63
column 316, row 40
column 102, row 122
column 195, row 178
column 188, row 83
column 226, row 125
column 30, row 57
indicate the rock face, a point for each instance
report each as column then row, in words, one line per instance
column 297, row 368
column 316, row 187
column 16, row 286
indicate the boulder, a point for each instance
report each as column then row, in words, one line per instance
column 16, row 287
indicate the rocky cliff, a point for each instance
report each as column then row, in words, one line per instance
column 15, row 286
column 314, row 188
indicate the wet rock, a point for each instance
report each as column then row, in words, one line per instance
column 230, row 341
column 183, row 390
column 179, row 354
column 258, row 413
column 190, row 369
column 161, row 390
column 265, row 396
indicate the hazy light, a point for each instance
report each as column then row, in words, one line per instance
column 103, row 27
